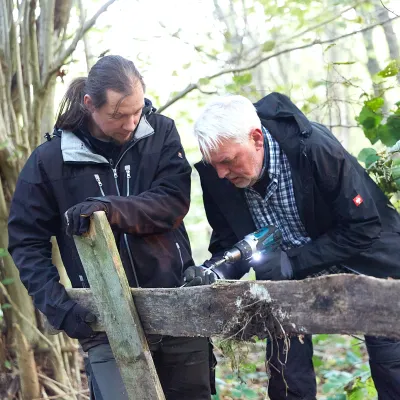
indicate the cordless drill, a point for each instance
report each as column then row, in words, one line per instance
column 263, row 240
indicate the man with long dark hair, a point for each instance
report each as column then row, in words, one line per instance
column 110, row 151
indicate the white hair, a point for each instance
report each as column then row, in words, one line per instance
column 228, row 117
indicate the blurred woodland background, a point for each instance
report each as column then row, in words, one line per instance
column 338, row 60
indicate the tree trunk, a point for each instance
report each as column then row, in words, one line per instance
column 390, row 34
column 19, row 295
column 30, row 388
column 35, row 42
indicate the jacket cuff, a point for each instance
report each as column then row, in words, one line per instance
column 61, row 313
column 294, row 261
column 103, row 200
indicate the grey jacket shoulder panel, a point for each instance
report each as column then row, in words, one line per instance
column 74, row 150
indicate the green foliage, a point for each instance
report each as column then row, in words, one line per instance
column 268, row 46
column 368, row 156
column 241, row 84
column 383, row 166
column 7, row 281
column 370, row 118
column 342, row 370
column 8, row 365
column 344, row 63
column 329, row 47
column 243, row 79
column 360, row 389
column 240, row 371
column 340, row 363
column 392, row 69
column 204, row 81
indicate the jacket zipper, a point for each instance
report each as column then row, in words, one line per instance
column 82, row 281
column 114, row 169
column 98, row 180
column 97, row 177
column 124, row 235
column 128, row 177
column 180, row 255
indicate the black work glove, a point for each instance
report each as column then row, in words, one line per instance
column 199, row 275
column 274, row 266
column 78, row 217
column 75, row 323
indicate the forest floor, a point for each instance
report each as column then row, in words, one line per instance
column 340, row 362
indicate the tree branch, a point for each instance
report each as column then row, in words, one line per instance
column 46, row 28
column 4, row 106
column 26, row 51
column 34, row 54
column 88, row 55
column 320, row 25
column 4, row 31
column 20, row 85
column 383, row 5
column 3, row 205
column 345, row 126
column 255, row 64
column 180, row 95
column 68, row 51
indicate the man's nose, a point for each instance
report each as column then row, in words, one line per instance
column 131, row 123
column 222, row 171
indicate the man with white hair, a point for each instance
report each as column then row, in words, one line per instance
column 267, row 164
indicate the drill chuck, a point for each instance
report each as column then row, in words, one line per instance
column 264, row 240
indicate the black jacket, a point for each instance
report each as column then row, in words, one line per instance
column 327, row 181
column 148, row 194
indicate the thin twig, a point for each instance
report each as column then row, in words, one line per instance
column 67, row 52
column 60, row 396
column 20, row 86
column 16, row 309
column 383, row 5
column 255, row 64
column 33, row 326
column 47, row 379
column 326, row 22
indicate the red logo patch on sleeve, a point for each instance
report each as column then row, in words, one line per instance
column 358, row 200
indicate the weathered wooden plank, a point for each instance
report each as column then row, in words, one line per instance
column 116, row 309
column 347, row 304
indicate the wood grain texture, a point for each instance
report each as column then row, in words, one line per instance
column 116, row 309
column 347, row 304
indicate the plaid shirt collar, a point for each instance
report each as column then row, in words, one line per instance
column 272, row 158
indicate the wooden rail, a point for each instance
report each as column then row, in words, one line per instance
column 343, row 304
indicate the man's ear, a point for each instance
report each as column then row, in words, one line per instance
column 88, row 102
column 258, row 138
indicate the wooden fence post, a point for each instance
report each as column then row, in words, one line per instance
column 117, row 311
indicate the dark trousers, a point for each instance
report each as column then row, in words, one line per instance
column 182, row 364
column 296, row 369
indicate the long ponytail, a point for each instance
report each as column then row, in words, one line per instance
column 72, row 110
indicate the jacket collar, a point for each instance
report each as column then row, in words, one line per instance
column 76, row 151
column 277, row 106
